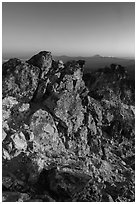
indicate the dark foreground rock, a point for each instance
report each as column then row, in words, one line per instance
column 67, row 137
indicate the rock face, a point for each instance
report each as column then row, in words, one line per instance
column 67, row 136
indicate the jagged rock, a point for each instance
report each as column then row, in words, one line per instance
column 14, row 197
column 67, row 137
column 46, row 137
column 111, row 83
column 43, row 60
column 7, row 182
column 15, row 115
column 60, row 64
column 62, row 185
column 20, row 79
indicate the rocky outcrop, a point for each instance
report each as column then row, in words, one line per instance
column 111, row 83
column 67, row 136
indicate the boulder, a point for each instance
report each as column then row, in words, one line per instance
column 43, row 60
column 19, row 80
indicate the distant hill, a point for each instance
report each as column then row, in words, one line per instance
column 95, row 62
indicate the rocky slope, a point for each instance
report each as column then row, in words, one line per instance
column 67, row 137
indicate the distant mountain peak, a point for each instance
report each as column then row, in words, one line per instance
column 97, row 55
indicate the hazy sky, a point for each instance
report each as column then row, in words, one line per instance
column 71, row 29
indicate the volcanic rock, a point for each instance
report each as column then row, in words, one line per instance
column 43, row 60
column 67, row 136
column 20, row 80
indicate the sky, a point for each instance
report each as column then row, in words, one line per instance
column 73, row 29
